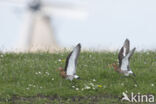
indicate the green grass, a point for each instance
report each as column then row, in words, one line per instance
column 33, row 78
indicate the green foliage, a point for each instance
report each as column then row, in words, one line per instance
column 34, row 78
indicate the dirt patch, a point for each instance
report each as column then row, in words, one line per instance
column 92, row 99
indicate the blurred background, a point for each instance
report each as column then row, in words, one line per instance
column 31, row 25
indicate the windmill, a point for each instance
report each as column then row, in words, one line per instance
column 37, row 32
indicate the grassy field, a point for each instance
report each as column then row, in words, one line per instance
column 33, row 78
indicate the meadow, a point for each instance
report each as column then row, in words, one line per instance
column 33, row 78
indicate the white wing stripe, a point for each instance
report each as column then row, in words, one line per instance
column 71, row 68
column 124, row 51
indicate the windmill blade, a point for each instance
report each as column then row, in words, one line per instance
column 65, row 11
column 13, row 1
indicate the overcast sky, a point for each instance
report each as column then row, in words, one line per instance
column 109, row 22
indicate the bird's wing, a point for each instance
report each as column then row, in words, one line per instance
column 123, row 51
column 120, row 56
column 125, row 64
column 130, row 53
column 125, row 61
column 71, row 61
column 126, row 47
column 67, row 61
column 129, row 56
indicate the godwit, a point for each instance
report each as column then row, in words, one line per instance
column 69, row 72
column 124, row 59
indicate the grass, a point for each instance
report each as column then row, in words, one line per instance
column 33, row 78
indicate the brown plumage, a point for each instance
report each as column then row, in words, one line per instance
column 69, row 72
column 62, row 72
column 116, row 68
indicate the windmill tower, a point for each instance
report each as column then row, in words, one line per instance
column 37, row 33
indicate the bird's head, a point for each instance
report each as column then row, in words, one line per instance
column 60, row 69
column 115, row 66
column 62, row 72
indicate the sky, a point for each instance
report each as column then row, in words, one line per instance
column 108, row 24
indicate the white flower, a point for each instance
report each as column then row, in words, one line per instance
column 27, row 88
column 92, row 84
column 73, row 86
column 52, row 79
column 77, row 89
column 135, row 85
column 37, row 73
column 93, row 88
column 59, row 60
column 87, row 87
column 152, row 84
column 47, row 73
column 94, row 80
column 126, row 91
column 82, row 89
column 41, row 87
column 122, row 84
column 1, row 55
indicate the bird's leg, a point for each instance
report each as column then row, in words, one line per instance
column 134, row 75
column 134, row 80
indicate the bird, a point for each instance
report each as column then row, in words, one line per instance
column 69, row 72
column 124, row 57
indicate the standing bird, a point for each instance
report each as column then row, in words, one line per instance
column 124, row 59
column 71, row 62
